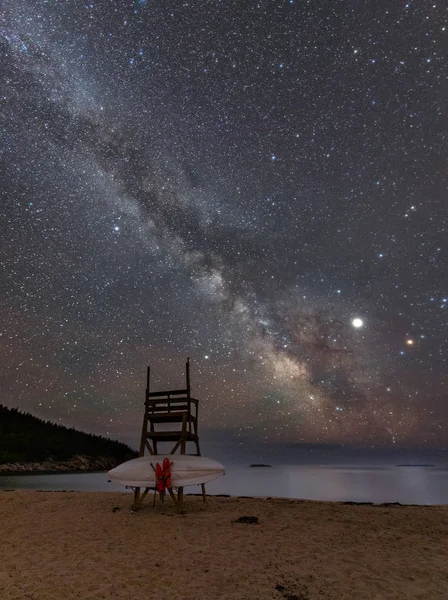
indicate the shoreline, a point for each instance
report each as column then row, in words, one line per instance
column 128, row 493
column 50, row 472
column 228, row 548
column 79, row 463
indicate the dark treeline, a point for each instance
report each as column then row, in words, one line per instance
column 24, row 438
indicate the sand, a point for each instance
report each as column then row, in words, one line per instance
column 70, row 545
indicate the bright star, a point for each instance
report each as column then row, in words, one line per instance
column 357, row 322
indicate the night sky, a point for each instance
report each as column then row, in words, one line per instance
column 261, row 186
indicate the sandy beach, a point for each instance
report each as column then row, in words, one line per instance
column 66, row 545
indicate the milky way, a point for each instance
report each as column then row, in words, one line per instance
column 259, row 186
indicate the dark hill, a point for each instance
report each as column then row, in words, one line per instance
column 25, row 439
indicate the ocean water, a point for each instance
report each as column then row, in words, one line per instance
column 406, row 485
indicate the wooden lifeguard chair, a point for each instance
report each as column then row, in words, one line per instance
column 170, row 417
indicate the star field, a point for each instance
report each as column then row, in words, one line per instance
column 260, row 186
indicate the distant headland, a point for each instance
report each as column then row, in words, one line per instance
column 416, row 465
column 29, row 445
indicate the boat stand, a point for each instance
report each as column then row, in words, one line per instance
column 140, row 496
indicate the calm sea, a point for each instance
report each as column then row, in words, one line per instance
column 407, row 485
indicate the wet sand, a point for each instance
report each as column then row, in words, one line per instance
column 66, row 545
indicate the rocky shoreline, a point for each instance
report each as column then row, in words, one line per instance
column 76, row 464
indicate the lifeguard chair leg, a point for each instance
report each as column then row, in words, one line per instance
column 180, row 499
column 140, row 499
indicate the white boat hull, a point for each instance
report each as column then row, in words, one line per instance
column 185, row 470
